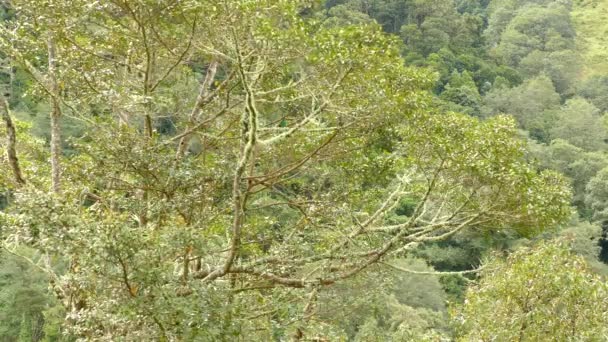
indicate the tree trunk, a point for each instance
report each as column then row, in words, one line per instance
column 11, row 138
column 55, row 117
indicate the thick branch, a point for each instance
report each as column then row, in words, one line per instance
column 438, row 273
column 249, row 125
column 125, row 278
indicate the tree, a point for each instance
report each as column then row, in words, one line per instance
column 381, row 302
column 531, row 103
column 428, row 38
column 500, row 13
column 471, row 6
column 423, row 9
column 48, row 81
column 595, row 198
column 579, row 122
column 434, row 25
column 540, row 293
column 309, row 137
column 342, row 15
column 595, row 90
column 535, row 27
column 24, row 298
column 461, row 90
column 575, row 163
column 563, row 67
column 391, row 14
column 587, row 241
column 11, row 139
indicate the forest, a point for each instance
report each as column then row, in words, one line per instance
column 303, row 170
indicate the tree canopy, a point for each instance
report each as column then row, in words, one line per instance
column 545, row 293
column 292, row 169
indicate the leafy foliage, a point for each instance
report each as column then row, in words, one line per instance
column 541, row 293
column 281, row 169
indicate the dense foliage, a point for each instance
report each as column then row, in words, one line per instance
column 541, row 294
column 291, row 169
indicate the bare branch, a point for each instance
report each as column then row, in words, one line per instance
column 179, row 60
column 438, row 273
column 313, row 114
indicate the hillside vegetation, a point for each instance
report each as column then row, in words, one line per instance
column 296, row 170
column 591, row 21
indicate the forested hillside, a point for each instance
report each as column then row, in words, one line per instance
column 590, row 22
column 296, row 170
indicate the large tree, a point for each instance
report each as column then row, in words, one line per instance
column 239, row 159
column 544, row 293
column 580, row 123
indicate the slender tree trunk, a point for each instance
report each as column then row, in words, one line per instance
column 123, row 115
column 11, row 137
column 148, row 125
column 196, row 111
column 55, row 118
column 55, row 150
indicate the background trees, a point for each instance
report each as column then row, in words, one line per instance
column 27, row 308
column 542, row 293
column 579, row 123
column 237, row 169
